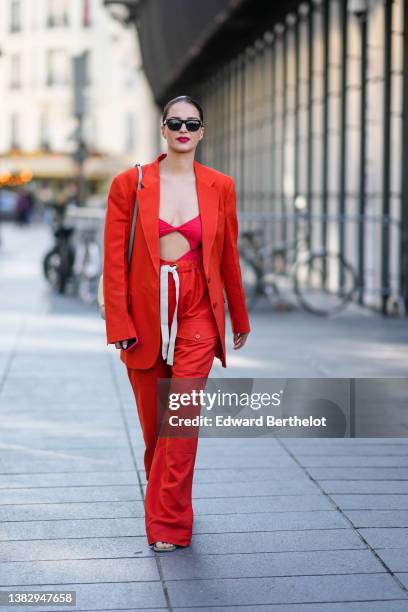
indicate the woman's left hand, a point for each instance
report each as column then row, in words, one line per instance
column 239, row 340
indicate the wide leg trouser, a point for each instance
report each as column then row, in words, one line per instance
column 169, row 461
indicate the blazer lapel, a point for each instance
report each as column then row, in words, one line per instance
column 149, row 203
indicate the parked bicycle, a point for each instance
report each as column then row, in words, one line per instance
column 58, row 262
column 323, row 281
column 75, row 261
column 88, row 263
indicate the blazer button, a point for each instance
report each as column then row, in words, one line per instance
column 197, row 336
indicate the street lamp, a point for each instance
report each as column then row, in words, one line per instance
column 124, row 11
column 358, row 8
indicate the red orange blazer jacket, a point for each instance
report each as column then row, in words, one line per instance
column 132, row 295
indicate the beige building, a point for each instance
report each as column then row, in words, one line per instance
column 38, row 42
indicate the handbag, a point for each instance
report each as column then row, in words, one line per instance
column 101, row 299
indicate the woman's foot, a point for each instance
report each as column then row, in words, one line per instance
column 163, row 546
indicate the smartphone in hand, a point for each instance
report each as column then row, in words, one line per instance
column 131, row 343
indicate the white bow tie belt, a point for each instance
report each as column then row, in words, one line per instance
column 168, row 342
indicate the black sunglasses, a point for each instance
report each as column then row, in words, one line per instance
column 174, row 125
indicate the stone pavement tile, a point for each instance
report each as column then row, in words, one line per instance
column 106, row 596
column 354, row 461
column 82, row 441
column 87, row 454
column 386, row 537
column 79, row 570
column 245, row 489
column 299, row 589
column 365, row 487
column 295, row 487
column 368, row 446
column 68, row 494
column 74, row 511
column 357, row 451
column 260, row 565
column 76, row 548
column 348, row 442
column 12, row 394
column 69, row 479
column 237, row 505
column 404, row 578
column 358, row 473
column 394, row 605
column 26, row 530
column 266, row 522
column 238, row 460
column 57, row 424
column 395, row 558
column 377, row 518
column 274, row 541
column 62, row 409
column 28, row 454
column 247, row 475
column 372, row 502
column 64, row 462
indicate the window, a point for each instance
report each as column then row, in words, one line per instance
column 15, row 16
column 88, row 66
column 14, row 134
column 57, row 67
column 15, row 71
column 86, row 14
column 130, row 132
column 44, row 131
column 57, row 13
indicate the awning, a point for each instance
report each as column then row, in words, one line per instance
column 62, row 166
column 172, row 34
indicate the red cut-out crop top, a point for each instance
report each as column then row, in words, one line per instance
column 191, row 230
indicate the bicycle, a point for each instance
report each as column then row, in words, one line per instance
column 88, row 262
column 323, row 281
column 58, row 261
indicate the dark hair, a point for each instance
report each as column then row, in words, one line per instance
column 182, row 99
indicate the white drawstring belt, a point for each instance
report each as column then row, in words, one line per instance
column 168, row 343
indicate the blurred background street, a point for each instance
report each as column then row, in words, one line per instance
column 306, row 106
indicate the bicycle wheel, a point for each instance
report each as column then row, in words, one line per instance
column 317, row 296
column 88, row 289
column 277, row 282
column 51, row 267
column 249, row 281
column 88, row 278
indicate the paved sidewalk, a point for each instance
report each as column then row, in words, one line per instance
column 289, row 525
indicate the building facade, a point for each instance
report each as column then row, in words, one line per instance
column 304, row 101
column 38, row 43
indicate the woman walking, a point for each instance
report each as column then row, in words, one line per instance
column 165, row 311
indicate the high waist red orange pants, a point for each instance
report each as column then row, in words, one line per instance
column 169, row 461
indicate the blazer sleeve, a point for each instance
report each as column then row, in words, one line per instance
column 119, row 325
column 230, row 266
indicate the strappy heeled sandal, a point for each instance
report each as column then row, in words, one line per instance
column 166, row 549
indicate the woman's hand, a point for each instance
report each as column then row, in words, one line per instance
column 239, row 340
